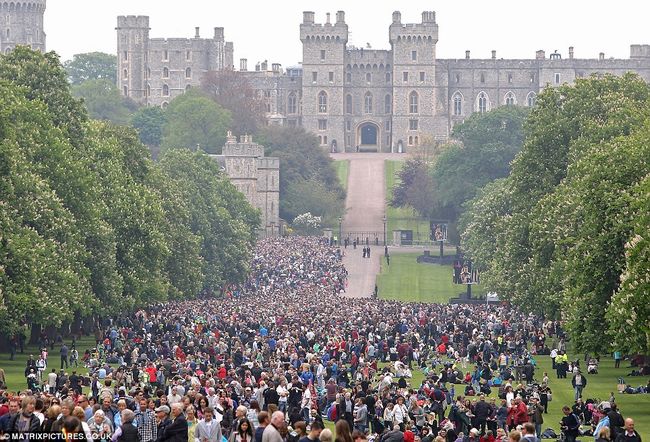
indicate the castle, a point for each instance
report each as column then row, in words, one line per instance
column 22, row 24
column 256, row 176
column 358, row 98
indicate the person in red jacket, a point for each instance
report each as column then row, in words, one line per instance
column 518, row 413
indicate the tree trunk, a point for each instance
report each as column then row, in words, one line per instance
column 35, row 334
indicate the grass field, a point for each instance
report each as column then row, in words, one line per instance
column 406, row 280
column 342, row 168
column 401, row 218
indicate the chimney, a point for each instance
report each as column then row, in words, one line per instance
column 540, row 55
column 308, row 18
column 275, row 67
column 601, row 56
column 265, row 66
column 340, row 17
column 197, row 34
column 428, row 17
column 397, row 17
column 257, row 66
column 243, row 64
column 327, row 21
column 218, row 34
column 494, row 54
column 466, row 55
column 570, row 52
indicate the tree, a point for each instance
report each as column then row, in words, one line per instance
column 91, row 66
column 302, row 160
column 104, row 102
column 149, row 122
column 194, row 120
column 233, row 91
column 414, row 188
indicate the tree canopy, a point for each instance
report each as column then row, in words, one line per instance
column 92, row 66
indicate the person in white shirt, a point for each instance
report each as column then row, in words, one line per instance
column 174, row 397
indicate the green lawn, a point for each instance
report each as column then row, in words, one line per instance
column 406, row 280
column 15, row 370
column 401, row 218
column 342, row 168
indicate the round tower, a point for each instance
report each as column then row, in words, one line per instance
column 22, row 25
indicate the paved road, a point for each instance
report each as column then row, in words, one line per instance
column 365, row 205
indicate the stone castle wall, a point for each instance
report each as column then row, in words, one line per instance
column 22, row 24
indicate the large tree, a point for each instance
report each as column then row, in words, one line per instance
column 91, row 66
column 104, row 102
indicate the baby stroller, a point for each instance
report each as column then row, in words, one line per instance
column 592, row 366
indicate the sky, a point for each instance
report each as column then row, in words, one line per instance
column 269, row 30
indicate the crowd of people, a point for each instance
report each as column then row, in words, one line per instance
column 274, row 357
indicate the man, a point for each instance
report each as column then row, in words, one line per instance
column 570, row 425
column 263, row 419
column 579, row 382
column 3, row 379
column 64, row 356
column 75, row 382
column 629, row 434
column 162, row 421
column 482, row 411
column 528, row 433
column 395, row 435
column 271, row 432
column 535, row 411
column 314, row 432
column 7, row 418
column 51, row 381
column 176, row 431
column 145, row 422
column 616, row 421
column 173, row 397
column 361, row 416
column 208, row 430
column 82, row 401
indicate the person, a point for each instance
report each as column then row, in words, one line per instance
column 145, row 422
column 127, row 432
column 482, row 411
column 629, row 434
column 617, row 359
column 176, row 431
column 272, row 431
column 604, row 435
column 243, row 432
column 395, row 435
column 64, row 356
column 314, row 432
column 535, row 411
column 616, row 421
column 514, row 436
column 579, row 382
column 361, row 416
column 529, row 433
column 79, row 413
column 264, row 421
column 342, row 430
column 100, row 425
column 570, row 425
column 326, row 435
column 162, row 421
column 192, row 421
column 208, row 430
column 25, row 422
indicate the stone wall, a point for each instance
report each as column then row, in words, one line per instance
column 22, row 24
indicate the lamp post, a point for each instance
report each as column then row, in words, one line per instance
column 340, row 231
column 384, row 220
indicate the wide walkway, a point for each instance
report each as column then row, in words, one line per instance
column 365, row 208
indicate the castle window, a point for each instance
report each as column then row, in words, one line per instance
column 413, row 102
column 410, row 140
column 482, row 77
column 324, row 140
column 557, row 78
column 322, row 102
column 165, row 72
column 331, row 77
column 126, row 53
column 509, row 77
column 457, row 78
column 387, row 77
column 322, row 55
column 405, row 76
column 414, row 55
column 348, row 104
column 367, row 103
column 422, row 76
column 510, row 99
column 147, row 92
column 458, row 104
column 348, row 125
column 125, row 74
column 188, row 55
column 148, row 73
column 188, row 73
column 348, row 77
column 314, row 77
column 413, row 124
column 165, row 90
column 188, row 87
column 322, row 124
column 165, row 55
column 126, row 91
column 388, row 104
column 531, row 98
column 368, row 77
column 532, row 77
column 292, row 104
column 387, row 125
column 482, row 102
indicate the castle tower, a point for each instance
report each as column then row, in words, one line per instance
column 132, row 54
column 323, row 63
column 22, row 24
column 414, row 56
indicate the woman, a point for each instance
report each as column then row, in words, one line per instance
column 100, row 425
column 203, row 404
column 244, row 432
column 71, row 429
column 389, row 415
column 52, row 415
column 604, row 435
column 78, row 412
column 501, row 435
column 252, row 413
column 66, row 411
column 192, row 421
column 127, row 432
column 342, row 430
column 326, row 435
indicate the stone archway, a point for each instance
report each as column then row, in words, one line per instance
column 368, row 137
